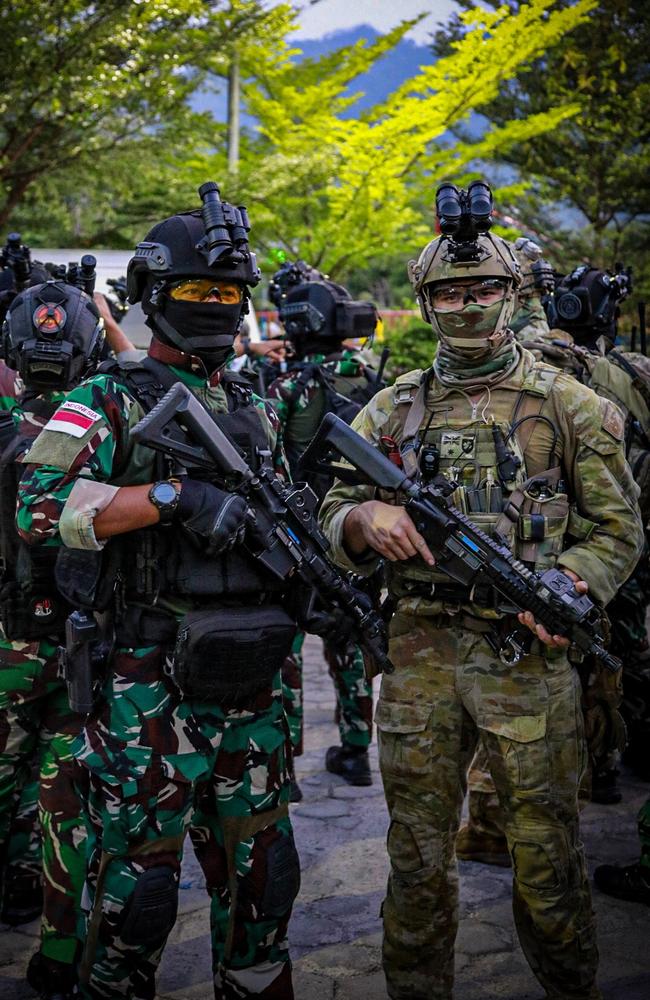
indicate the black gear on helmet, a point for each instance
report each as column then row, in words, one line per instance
column 211, row 242
column 586, row 303
column 319, row 315
column 52, row 335
column 289, row 276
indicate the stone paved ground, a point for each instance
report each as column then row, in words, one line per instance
column 335, row 931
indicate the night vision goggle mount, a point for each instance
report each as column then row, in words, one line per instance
column 17, row 256
column 291, row 274
column 463, row 216
column 578, row 302
column 82, row 275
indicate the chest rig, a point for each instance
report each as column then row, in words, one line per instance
column 477, row 448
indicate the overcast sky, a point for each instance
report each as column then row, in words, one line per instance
column 329, row 15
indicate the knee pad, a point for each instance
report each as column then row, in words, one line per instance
column 151, row 910
column 282, row 877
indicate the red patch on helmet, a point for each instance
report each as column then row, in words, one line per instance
column 49, row 318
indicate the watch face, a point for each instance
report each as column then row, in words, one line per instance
column 164, row 493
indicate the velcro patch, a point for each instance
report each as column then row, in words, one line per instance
column 73, row 418
column 613, row 421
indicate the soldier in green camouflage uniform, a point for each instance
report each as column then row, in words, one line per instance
column 323, row 373
column 157, row 760
column 484, row 405
column 54, row 335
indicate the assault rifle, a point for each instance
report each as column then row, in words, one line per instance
column 463, row 551
column 283, row 534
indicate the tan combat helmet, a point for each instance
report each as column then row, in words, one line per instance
column 536, row 273
column 493, row 257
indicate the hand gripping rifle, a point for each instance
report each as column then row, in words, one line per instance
column 283, row 533
column 465, row 553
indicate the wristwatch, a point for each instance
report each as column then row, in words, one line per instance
column 163, row 495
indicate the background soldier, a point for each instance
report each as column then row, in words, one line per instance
column 318, row 315
column 53, row 336
column 524, row 446
column 537, row 282
column 154, row 751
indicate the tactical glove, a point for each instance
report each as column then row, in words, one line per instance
column 214, row 515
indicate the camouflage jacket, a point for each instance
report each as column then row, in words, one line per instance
column 85, row 453
column 529, row 321
column 301, row 414
column 10, row 387
column 594, row 527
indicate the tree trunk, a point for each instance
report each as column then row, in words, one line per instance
column 233, row 115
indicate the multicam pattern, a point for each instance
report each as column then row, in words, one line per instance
column 448, row 690
column 148, row 752
column 300, row 416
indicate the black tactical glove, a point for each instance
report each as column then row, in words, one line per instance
column 216, row 516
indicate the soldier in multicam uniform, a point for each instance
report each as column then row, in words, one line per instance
column 156, row 759
column 53, row 336
column 537, row 282
column 482, row 838
column 319, row 315
column 541, row 460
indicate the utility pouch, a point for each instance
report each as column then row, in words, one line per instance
column 28, row 616
column 543, row 517
column 87, row 578
column 227, row 655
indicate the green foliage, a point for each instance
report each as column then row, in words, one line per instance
column 413, row 345
column 589, row 179
column 80, row 81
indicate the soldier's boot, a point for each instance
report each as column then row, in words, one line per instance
column 631, row 883
column 605, row 788
column 481, row 839
column 351, row 763
column 22, row 895
column 295, row 791
column 52, row 980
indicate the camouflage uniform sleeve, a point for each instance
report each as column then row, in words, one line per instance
column 276, row 440
column 370, row 423
column 602, row 488
column 68, row 468
column 278, row 395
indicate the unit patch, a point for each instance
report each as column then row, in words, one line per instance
column 455, row 445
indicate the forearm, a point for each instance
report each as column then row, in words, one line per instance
column 129, row 510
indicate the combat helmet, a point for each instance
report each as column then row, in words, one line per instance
column 207, row 243
column 52, row 336
column 465, row 250
column 537, row 277
column 586, row 302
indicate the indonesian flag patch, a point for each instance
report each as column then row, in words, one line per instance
column 73, row 418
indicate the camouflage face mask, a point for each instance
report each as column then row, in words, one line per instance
column 471, row 327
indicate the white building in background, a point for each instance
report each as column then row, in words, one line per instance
column 113, row 264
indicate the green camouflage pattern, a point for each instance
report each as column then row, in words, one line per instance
column 149, row 753
column 10, row 388
column 300, row 416
column 36, row 722
column 448, row 689
column 529, row 321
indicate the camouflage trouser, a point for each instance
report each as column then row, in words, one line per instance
column 446, row 689
column 153, row 759
column 22, row 841
column 353, row 695
column 35, row 719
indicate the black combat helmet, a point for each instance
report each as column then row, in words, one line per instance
column 586, row 303
column 209, row 243
column 52, row 335
column 319, row 315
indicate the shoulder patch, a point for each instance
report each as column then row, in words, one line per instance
column 73, row 418
column 613, row 421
